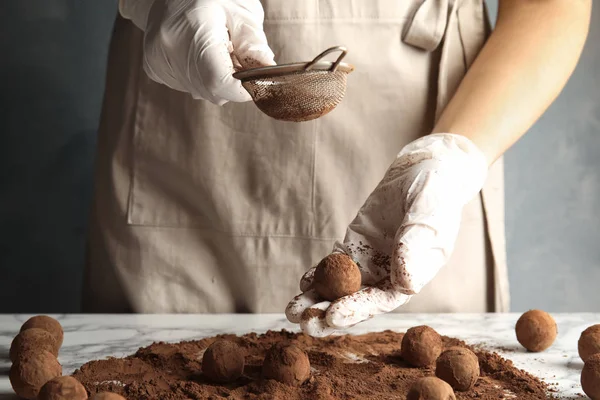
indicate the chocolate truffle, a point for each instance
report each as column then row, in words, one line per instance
column 31, row 371
column 536, row 330
column 421, row 346
column 430, row 388
column 63, row 388
column 336, row 276
column 107, row 396
column 459, row 367
column 46, row 323
column 33, row 339
column 223, row 361
column 589, row 342
column 590, row 377
column 287, row 364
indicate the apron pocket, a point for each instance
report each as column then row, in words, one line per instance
column 230, row 168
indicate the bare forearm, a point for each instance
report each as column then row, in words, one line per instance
column 521, row 69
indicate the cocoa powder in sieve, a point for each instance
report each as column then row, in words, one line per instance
column 173, row 371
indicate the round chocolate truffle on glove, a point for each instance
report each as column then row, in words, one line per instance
column 459, row 367
column 589, row 342
column 31, row 371
column 536, row 330
column 46, row 323
column 107, row 396
column 430, row 388
column 287, row 364
column 33, row 339
column 590, row 377
column 63, row 388
column 223, row 361
column 421, row 346
column 336, row 276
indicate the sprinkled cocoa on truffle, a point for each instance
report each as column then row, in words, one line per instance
column 63, row 388
column 536, row 330
column 589, row 342
column 590, row 377
column 107, row 396
column 430, row 388
column 336, row 276
column 33, row 339
column 46, row 323
column 223, row 361
column 287, row 364
column 459, row 367
column 31, row 371
column 421, row 346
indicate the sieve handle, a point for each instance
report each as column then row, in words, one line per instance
column 323, row 54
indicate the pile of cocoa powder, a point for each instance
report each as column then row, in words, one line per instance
column 343, row 367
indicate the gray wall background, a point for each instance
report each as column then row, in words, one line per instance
column 52, row 64
column 553, row 196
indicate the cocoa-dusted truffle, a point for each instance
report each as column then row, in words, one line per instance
column 63, row 388
column 589, row 342
column 31, row 371
column 33, row 339
column 287, row 364
column 223, row 361
column 430, row 388
column 459, row 367
column 336, row 276
column 46, row 323
column 421, row 346
column 536, row 330
column 590, row 377
column 107, row 396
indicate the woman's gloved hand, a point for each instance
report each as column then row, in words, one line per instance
column 192, row 45
column 403, row 234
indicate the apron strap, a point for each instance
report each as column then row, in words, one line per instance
column 428, row 24
column 464, row 26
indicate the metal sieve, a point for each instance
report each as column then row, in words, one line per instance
column 299, row 91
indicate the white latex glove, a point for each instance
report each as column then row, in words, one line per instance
column 404, row 233
column 191, row 45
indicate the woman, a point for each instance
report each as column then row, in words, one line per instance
column 204, row 204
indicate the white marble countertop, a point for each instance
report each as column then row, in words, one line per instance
column 89, row 337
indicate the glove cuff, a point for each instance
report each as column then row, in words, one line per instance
column 459, row 153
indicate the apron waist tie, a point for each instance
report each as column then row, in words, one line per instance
column 428, row 24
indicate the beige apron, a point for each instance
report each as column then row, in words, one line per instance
column 201, row 208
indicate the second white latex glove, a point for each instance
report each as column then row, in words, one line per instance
column 191, row 45
column 404, row 233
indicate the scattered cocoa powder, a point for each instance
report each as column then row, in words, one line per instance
column 380, row 260
column 310, row 313
column 173, row 371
